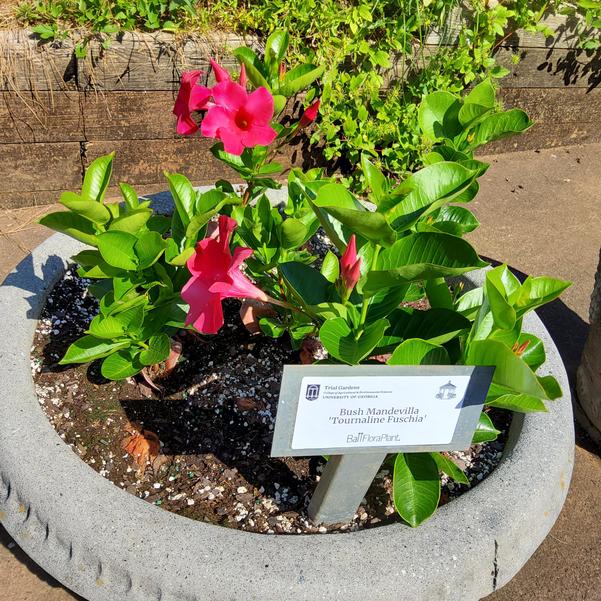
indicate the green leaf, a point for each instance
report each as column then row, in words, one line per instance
column 538, row 291
column 89, row 348
column 498, row 125
column 483, row 94
column 330, row 268
column 415, row 486
column 437, row 326
column 97, row 177
column 254, row 68
column 338, row 339
column 271, row 327
column 293, row 233
column 374, row 178
column 551, row 386
column 90, row 209
column 275, row 50
column 450, row 468
column 422, row 256
column 129, row 196
column 120, row 365
column 426, row 190
column 416, row 351
column 73, row 225
column 534, row 354
column 329, row 310
column 510, row 370
column 196, row 224
column 308, row 284
column 335, row 200
column 523, row 403
column 131, row 222
column 470, row 302
column 148, row 248
column 117, row 249
column 470, row 113
column 106, row 328
column 385, row 301
column 503, row 313
column 485, row 430
column 299, row 78
column 455, row 220
column 438, row 116
column 184, row 196
column 158, row 350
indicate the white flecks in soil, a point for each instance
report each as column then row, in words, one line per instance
column 215, row 423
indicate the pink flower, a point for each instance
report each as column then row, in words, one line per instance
column 239, row 119
column 190, row 97
column 216, row 275
column 309, row 115
column 350, row 266
column 222, row 75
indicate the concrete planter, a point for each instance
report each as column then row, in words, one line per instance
column 107, row 545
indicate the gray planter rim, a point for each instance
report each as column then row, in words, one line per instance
column 108, row 545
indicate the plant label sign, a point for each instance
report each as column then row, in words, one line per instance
column 338, row 409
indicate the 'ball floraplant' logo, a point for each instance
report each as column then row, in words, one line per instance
column 312, row 393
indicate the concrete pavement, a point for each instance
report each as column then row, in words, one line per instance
column 540, row 213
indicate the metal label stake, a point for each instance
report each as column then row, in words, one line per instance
column 359, row 414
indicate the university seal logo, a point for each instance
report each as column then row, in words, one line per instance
column 312, row 393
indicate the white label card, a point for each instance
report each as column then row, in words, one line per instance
column 363, row 411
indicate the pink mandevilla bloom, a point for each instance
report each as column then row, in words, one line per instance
column 216, row 275
column 239, row 119
column 350, row 266
column 309, row 115
column 190, row 98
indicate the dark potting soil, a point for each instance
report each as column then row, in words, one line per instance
column 214, row 419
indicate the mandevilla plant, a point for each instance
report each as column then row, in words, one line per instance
column 396, row 246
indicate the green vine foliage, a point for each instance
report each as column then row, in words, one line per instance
column 378, row 65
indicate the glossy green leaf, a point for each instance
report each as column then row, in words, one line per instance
column 271, row 327
column 275, row 50
column 158, row 350
column 90, row 209
column 534, row 354
column 485, row 430
column 455, row 220
column 538, row 291
column 330, row 268
column 254, row 67
column 97, row 177
column 422, row 256
column 148, row 248
column 523, row 403
column 184, row 196
column 483, row 94
column 299, row 78
column 510, row 370
column 551, row 386
column 131, row 222
column 416, row 351
column 415, row 487
column 425, row 191
column 129, row 196
column 503, row 313
column 293, row 233
column 438, row 116
column 89, row 348
column 307, row 283
column 385, row 301
column 73, row 225
column 374, row 178
column 497, row 125
column 450, row 468
column 118, row 249
column 120, row 365
column 340, row 342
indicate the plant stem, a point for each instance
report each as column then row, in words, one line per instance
column 249, row 188
column 365, row 305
